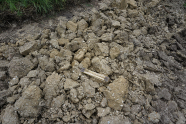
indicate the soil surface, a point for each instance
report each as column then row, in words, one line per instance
column 109, row 62
column 11, row 23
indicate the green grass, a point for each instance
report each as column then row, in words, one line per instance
column 184, row 5
column 41, row 6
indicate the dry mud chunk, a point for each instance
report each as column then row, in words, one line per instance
column 11, row 52
column 172, row 106
column 89, row 106
column 135, row 97
column 91, row 37
column 181, row 118
column 46, row 63
column 94, row 84
column 13, row 88
column 120, row 4
column 4, row 64
column 71, row 26
column 123, row 4
column 149, row 86
column 126, row 108
column 14, row 81
column 132, row 13
column 44, row 52
column 132, row 4
column 64, row 65
column 45, row 34
column 107, row 37
column 103, row 6
column 88, row 113
column 63, row 41
column 10, row 116
column 75, row 73
column 74, row 44
column 137, row 32
column 85, row 16
column 101, row 49
column 79, row 55
column 113, row 44
column 12, row 99
column 164, row 94
column 115, row 24
column 116, row 93
column 135, row 109
column 33, row 73
column 85, row 63
column 58, row 101
column 82, row 24
column 61, row 122
column 62, row 21
column 115, row 67
column 88, row 90
column 114, row 120
column 66, row 118
column 28, row 47
column 3, row 95
column 54, row 43
column 97, row 25
column 28, row 104
column 42, row 75
column 69, row 84
column 51, row 87
column 103, row 111
column 2, row 75
column 53, row 35
column 61, row 30
column 103, row 30
column 24, row 82
column 70, row 35
column 80, row 92
column 20, row 67
column 3, row 47
column 66, row 54
column 151, row 77
column 3, row 85
column 103, row 102
column 114, row 52
column 101, row 66
column 170, row 61
column 105, row 18
column 154, row 117
column 122, row 36
column 181, row 75
column 111, row 14
column 153, row 3
column 73, row 96
column 152, row 67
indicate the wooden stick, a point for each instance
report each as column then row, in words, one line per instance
column 96, row 75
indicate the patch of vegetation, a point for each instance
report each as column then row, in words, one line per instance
column 185, row 5
column 41, row 6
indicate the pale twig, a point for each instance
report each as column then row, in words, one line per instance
column 96, row 75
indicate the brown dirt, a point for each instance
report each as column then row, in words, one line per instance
column 148, row 49
column 11, row 23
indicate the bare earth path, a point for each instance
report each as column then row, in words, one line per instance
column 46, row 68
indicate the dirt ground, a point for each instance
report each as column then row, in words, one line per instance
column 104, row 62
column 10, row 27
